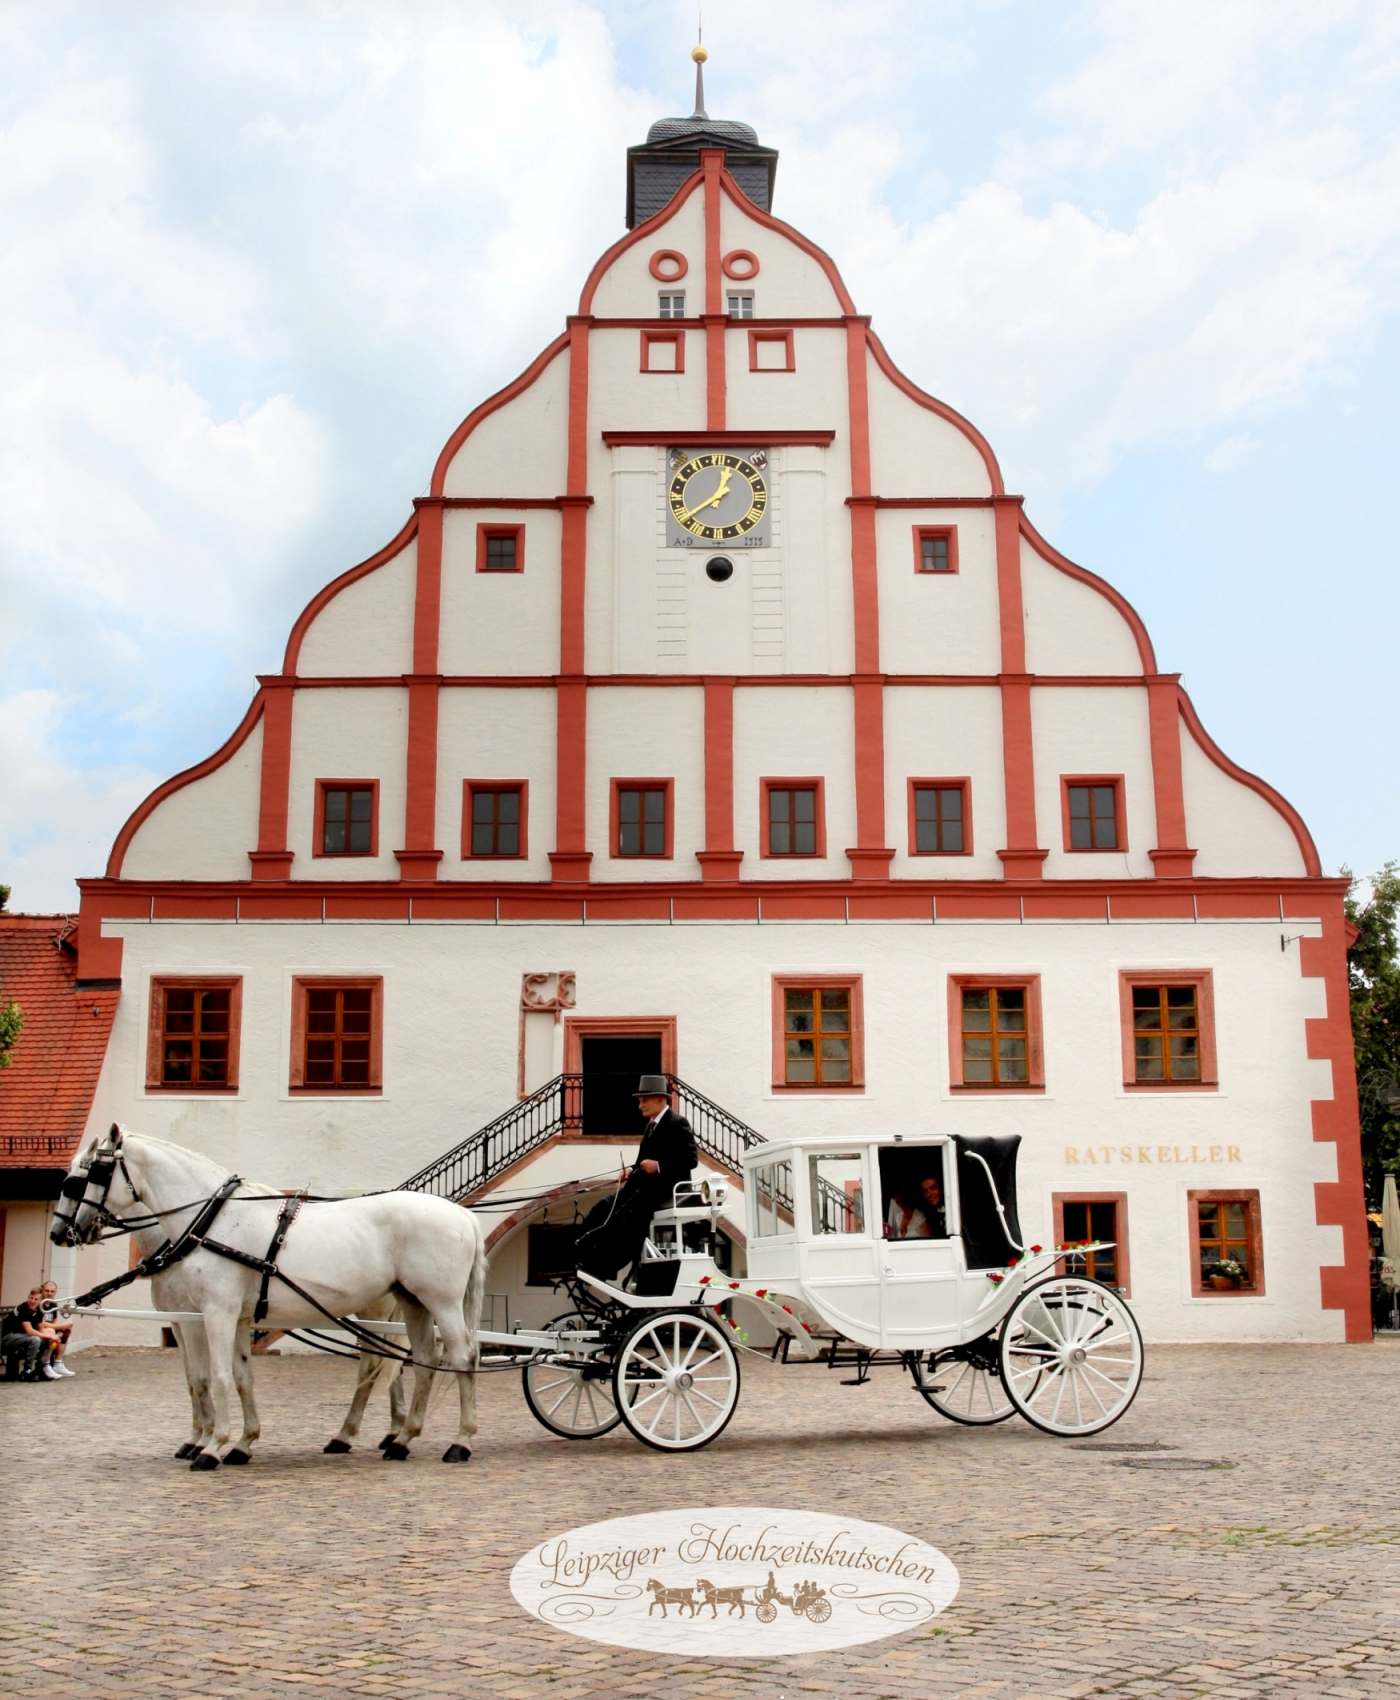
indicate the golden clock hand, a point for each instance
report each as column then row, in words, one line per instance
column 718, row 495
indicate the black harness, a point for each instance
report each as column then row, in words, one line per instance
column 171, row 1251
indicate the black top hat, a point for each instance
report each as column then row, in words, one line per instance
column 653, row 1086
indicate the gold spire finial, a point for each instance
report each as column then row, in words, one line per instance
column 699, row 54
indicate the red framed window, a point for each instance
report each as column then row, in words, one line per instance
column 347, row 817
column 818, row 1032
column 495, row 819
column 663, row 351
column 1081, row 1216
column 193, row 1034
column 771, row 351
column 794, row 817
column 500, row 548
column 1093, row 812
column 994, row 1033
column 337, row 1034
column 1227, row 1243
column 940, row 817
column 935, row 548
column 642, row 821
column 1167, row 1019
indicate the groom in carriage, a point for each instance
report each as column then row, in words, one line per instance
column 615, row 1230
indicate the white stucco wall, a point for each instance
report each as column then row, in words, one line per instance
column 915, row 452
column 810, row 397
column 495, row 623
column 1093, row 730
column 1235, row 831
column 204, row 830
column 946, row 732
column 367, row 628
column 627, row 290
column 795, row 734
column 1070, row 626
column 496, row 734
column 621, row 396
column 938, row 622
column 790, row 283
column 647, row 733
column 489, row 462
column 348, row 733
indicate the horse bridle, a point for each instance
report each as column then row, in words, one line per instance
column 107, row 1160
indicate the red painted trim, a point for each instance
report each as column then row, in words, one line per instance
column 736, row 259
column 1120, row 812
column 273, row 858
column 1021, row 859
column 155, row 1031
column 1171, row 858
column 469, row 788
column 931, row 501
column 766, row 219
column 855, row 984
column 941, row 408
column 666, row 257
column 143, row 810
column 485, row 532
column 571, row 856
column 577, row 1028
column 764, row 787
column 782, row 338
column 963, row 784
column 420, row 807
column 719, row 782
column 868, row 706
column 1010, row 600
column 673, row 339
column 1048, row 553
column 1249, row 1197
column 1336, row 1120
column 716, row 381
column 427, row 594
column 318, row 830
column 490, row 406
column 647, row 227
column 1035, row 1030
column 1119, row 1200
column 1312, row 863
column 602, row 681
column 301, row 984
column 1202, row 980
column 950, row 534
column 498, row 501
column 714, row 439
column 328, row 592
column 614, row 819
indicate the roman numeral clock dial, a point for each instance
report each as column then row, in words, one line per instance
column 717, row 496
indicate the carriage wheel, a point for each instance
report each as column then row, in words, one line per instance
column 1071, row 1355
column 819, row 1610
column 964, row 1389
column 766, row 1612
column 676, row 1381
column 569, row 1401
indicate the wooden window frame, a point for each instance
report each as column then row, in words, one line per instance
column 469, row 789
column 318, row 829
column 809, row 783
column 155, row 1031
column 1119, row 1200
column 852, row 983
column 1035, row 1043
column 304, row 983
column 1120, row 814
column 949, row 533
column 1203, row 983
column 1248, row 1196
column 963, row 784
column 756, row 338
column 485, row 531
column 615, row 819
column 650, row 339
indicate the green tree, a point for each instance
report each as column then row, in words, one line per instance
column 1373, row 965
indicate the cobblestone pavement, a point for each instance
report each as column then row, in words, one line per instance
column 1275, row 1573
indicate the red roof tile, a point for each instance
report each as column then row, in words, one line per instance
column 46, row 1092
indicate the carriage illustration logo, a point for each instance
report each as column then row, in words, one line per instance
column 734, row 1581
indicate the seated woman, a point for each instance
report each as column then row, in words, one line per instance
column 916, row 1210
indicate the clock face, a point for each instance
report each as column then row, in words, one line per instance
column 717, row 496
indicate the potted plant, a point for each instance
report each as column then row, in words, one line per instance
column 1225, row 1273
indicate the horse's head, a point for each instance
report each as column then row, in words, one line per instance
column 656, row 1587
column 85, row 1198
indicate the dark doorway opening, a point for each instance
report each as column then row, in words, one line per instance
column 611, row 1068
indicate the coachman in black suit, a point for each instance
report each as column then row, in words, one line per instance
column 615, row 1228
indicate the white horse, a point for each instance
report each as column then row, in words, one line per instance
column 347, row 1255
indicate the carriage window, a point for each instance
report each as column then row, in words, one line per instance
column 193, row 1039
column 912, row 1192
column 772, row 1200
column 337, row 1035
column 836, row 1192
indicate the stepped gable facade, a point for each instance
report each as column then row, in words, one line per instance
column 720, row 710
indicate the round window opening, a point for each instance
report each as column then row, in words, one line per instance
column 719, row 568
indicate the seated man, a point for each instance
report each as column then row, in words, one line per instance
column 31, row 1339
column 63, row 1330
column 916, row 1211
column 615, row 1228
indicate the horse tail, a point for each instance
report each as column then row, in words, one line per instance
column 475, row 1294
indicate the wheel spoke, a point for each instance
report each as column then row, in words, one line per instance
column 651, row 1428
column 1117, row 1386
column 695, row 1416
column 560, row 1400
column 701, row 1362
column 1049, row 1339
column 1103, row 1409
column 718, row 1404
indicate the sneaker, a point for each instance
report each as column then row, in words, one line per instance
column 50, row 1373
column 63, row 1369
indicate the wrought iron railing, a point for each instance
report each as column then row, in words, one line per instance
column 559, row 1107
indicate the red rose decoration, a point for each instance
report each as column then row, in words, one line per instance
column 807, row 1326
column 1036, row 1248
column 734, row 1285
column 704, row 1280
column 996, row 1280
column 787, row 1309
column 760, row 1292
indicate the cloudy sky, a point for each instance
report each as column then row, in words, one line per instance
column 259, row 257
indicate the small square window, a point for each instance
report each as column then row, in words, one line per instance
column 641, row 817
column 192, row 1044
column 663, row 351
column 494, row 819
column 1227, row 1243
column 793, row 818
column 771, row 351
column 739, row 303
column 347, row 817
column 671, row 304
column 939, row 817
column 935, row 548
column 1168, row 1022
column 500, row 548
column 994, row 1033
column 818, row 1033
column 1093, row 814
column 336, row 1038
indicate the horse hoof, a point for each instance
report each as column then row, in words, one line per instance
column 188, row 1450
column 336, row 1446
column 456, row 1454
column 388, row 1439
column 395, row 1452
column 204, row 1461
column 238, row 1456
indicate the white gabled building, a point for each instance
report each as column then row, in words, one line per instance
column 720, row 711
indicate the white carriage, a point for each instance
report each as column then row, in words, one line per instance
column 985, row 1325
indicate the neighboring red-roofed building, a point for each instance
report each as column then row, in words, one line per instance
column 46, row 1091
